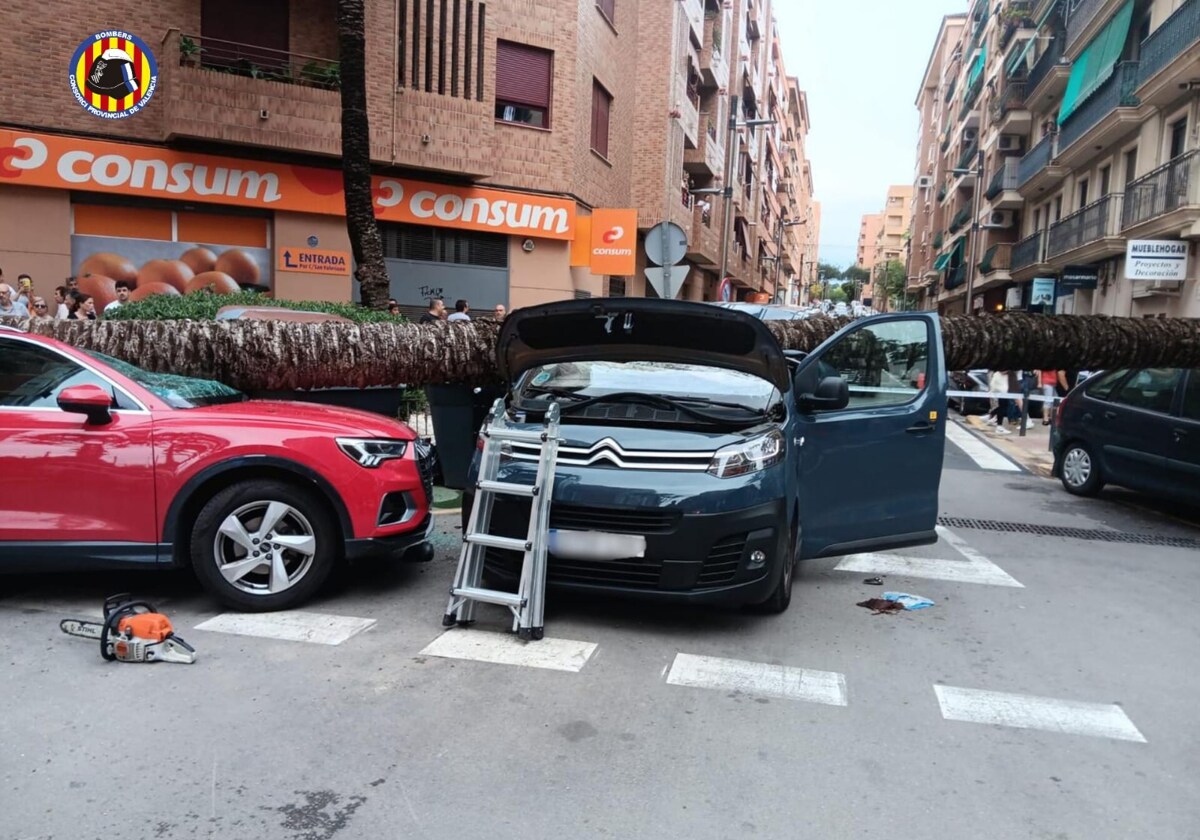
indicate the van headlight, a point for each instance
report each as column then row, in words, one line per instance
column 751, row 456
column 371, row 452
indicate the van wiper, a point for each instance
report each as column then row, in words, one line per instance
column 706, row 401
column 652, row 400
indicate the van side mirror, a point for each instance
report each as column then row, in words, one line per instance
column 831, row 394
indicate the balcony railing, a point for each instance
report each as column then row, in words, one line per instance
column 941, row 193
column 956, row 277
column 1117, row 92
column 1029, row 251
column 938, row 239
column 1016, row 16
column 1175, row 35
column 1171, row 186
column 970, row 97
column 1082, row 13
column 950, row 88
column 960, row 218
column 996, row 258
column 259, row 62
column 1004, row 179
column 1013, row 99
column 1090, row 224
column 1037, row 159
column 967, row 159
column 1047, row 62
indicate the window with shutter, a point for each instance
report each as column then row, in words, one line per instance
column 523, row 82
column 608, row 8
column 601, row 107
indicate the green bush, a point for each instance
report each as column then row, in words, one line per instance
column 203, row 306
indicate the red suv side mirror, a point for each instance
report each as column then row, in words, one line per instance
column 91, row 400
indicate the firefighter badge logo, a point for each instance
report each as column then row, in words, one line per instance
column 113, row 74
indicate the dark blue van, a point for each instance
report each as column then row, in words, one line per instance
column 700, row 461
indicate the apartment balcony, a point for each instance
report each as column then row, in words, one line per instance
column 961, row 218
column 1085, row 21
column 1048, row 78
column 704, row 243
column 1170, row 55
column 971, row 98
column 1087, row 235
column 1002, row 190
column 708, row 159
column 1009, row 114
column 967, row 162
column 1164, row 202
column 694, row 10
column 956, row 277
column 1013, row 24
column 1039, row 168
column 1107, row 115
column 714, row 66
column 938, row 239
column 996, row 266
column 688, row 114
column 1028, row 257
column 218, row 90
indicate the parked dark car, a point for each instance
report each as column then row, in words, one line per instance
column 719, row 458
column 1135, row 428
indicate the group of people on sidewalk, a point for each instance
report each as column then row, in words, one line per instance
column 70, row 304
column 1054, row 385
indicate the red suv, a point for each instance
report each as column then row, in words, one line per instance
column 105, row 465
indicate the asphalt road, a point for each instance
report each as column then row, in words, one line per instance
column 373, row 737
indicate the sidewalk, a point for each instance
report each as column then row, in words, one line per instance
column 1032, row 451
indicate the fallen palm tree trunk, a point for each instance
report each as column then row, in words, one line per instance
column 284, row 356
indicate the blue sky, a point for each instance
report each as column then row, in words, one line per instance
column 861, row 62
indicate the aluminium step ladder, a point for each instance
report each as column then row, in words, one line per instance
column 528, row 602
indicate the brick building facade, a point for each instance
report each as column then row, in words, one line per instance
column 536, row 112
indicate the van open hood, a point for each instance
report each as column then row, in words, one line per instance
column 639, row 330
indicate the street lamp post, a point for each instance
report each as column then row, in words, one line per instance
column 726, row 191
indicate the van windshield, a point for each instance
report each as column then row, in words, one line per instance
column 660, row 379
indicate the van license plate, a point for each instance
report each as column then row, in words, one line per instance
column 596, row 545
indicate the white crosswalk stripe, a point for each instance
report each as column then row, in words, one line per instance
column 1048, row 714
column 974, row 568
column 977, row 450
column 507, row 649
column 289, row 626
column 758, row 679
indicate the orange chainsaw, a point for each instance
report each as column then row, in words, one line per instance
column 132, row 631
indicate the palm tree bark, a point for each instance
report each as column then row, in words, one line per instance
column 365, row 240
column 283, row 355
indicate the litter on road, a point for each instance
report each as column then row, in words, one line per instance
column 909, row 602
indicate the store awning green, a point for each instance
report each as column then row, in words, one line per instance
column 977, row 67
column 1019, row 56
column 956, row 251
column 1095, row 64
column 940, row 263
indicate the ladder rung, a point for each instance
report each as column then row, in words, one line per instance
column 488, row 596
column 514, row 435
column 492, row 541
column 508, row 488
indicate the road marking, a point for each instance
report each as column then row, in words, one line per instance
column 507, row 649
column 758, row 678
column 975, row 569
column 1069, row 717
column 289, row 626
column 985, row 456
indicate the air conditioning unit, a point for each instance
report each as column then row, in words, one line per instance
column 1011, row 143
column 970, row 135
column 924, row 182
column 1001, row 219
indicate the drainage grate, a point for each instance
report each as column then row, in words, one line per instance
column 1096, row 534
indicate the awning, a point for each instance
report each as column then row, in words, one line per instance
column 1095, row 64
column 1019, row 56
column 977, row 68
column 940, row 263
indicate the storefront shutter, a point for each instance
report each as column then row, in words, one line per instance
column 523, row 74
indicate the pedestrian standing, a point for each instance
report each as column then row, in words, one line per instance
column 39, row 307
column 123, row 289
column 436, row 311
column 60, row 303
column 84, row 308
column 460, row 311
column 1049, row 380
column 998, row 384
column 10, row 307
column 499, row 312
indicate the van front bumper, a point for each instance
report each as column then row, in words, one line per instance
column 704, row 558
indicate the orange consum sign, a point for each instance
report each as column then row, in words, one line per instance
column 76, row 163
column 614, row 238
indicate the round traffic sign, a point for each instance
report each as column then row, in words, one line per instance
column 725, row 290
column 666, row 243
